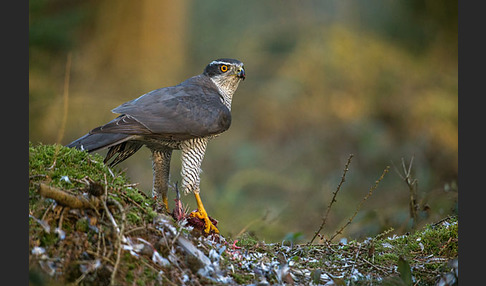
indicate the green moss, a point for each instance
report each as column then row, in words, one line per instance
column 151, row 214
column 65, row 168
column 386, row 258
column 82, row 225
column 136, row 196
column 317, row 264
column 129, row 276
column 133, row 218
column 62, row 167
column 438, row 240
column 242, row 279
column 441, row 240
column 247, row 240
column 48, row 239
column 68, row 170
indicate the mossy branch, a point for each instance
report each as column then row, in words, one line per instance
column 68, row 200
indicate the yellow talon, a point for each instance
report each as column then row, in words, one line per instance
column 202, row 214
column 166, row 203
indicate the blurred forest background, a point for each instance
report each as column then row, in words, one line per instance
column 325, row 79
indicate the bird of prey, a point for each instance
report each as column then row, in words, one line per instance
column 182, row 117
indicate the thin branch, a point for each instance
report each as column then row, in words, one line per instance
column 412, row 187
column 43, row 218
column 333, row 200
column 361, row 203
column 160, row 273
column 100, row 256
column 61, row 218
column 356, row 258
column 119, row 231
column 119, row 239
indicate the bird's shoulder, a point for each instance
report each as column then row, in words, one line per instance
column 195, row 90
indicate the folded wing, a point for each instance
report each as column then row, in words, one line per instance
column 189, row 110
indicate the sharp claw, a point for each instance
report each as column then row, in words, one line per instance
column 208, row 225
column 202, row 214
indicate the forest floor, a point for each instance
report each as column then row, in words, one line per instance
column 88, row 225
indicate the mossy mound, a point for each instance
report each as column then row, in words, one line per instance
column 121, row 236
column 420, row 258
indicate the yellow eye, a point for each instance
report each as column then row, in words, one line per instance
column 224, row 68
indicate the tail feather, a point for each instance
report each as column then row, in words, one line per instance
column 117, row 144
column 122, row 152
column 93, row 142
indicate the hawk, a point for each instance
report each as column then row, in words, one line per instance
column 182, row 117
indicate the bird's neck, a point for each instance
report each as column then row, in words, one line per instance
column 227, row 98
column 226, row 89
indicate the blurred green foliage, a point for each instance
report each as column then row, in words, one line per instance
column 325, row 79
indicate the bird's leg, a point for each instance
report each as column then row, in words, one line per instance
column 161, row 168
column 202, row 214
column 192, row 156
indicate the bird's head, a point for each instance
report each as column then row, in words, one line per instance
column 226, row 74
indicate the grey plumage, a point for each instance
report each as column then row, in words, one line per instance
column 184, row 117
column 191, row 109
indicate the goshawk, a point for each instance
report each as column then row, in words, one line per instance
column 182, row 117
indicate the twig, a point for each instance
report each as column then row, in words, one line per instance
column 119, row 231
column 378, row 267
column 356, row 258
column 135, row 229
column 361, row 203
column 175, row 237
column 134, row 202
column 412, row 187
column 118, row 242
column 31, row 177
column 80, row 278
column 108, row 213
column 61, row 218
column 442, row 220
column 47, row 210
column 104, row 243
column 157, row 271
column 98, row 242
column 333, row 200
column 100, row 256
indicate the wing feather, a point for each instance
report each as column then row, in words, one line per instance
column 191, row 109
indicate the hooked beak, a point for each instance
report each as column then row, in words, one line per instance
column 241, row 73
